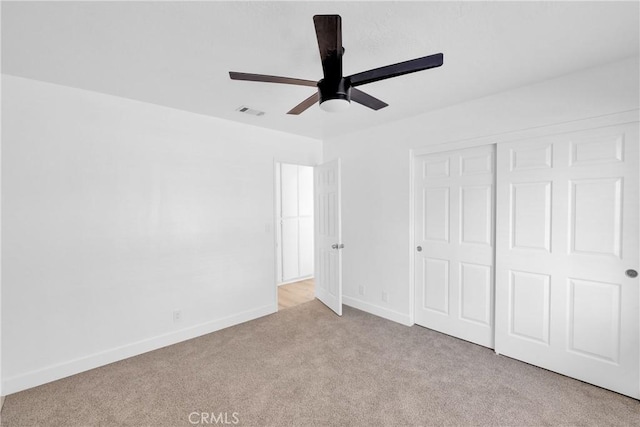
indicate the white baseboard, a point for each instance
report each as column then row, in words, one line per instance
column 376, row 310
column 82, row 364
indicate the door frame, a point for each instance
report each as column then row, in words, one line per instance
column 624, row 117
column 274, row 222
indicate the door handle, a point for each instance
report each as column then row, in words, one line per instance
column 337, row 246
column 419, row 249
column 631, row 273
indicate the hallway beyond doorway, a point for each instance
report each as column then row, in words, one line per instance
column 296, row 293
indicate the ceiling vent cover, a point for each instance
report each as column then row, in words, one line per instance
column 251, row 111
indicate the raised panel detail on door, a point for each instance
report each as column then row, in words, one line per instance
column 454, row 235
column 477, row 163
column 289, row 191
column 327, row 204
column 475, row 293
column 594, row 319
column 331, row 222
column 476, row 211
column 571, row 309
column 436, row 168
column 330, row 177
column 531, row 215
column 436, row 284
column 436, row 218
column 529, row 306
column 524, row 158
column 600, row 149
column 305, row 237
column 305, row 191
column 290, row 249
column 330, row 265
column 596, row 221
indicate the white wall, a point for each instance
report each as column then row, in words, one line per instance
column 375, row 170
column 2, row 393
column 117, row 212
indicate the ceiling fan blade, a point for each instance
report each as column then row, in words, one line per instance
column 398, row 69
column 329, row 34
column 313, row 99
column 271, row 79
column 367, row 100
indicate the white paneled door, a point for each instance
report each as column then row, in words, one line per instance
column 295, row 222
column 454, row 234
column 567, row 250
column 289, row 222
column 328, row 235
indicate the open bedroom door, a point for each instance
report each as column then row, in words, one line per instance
column 328, row 235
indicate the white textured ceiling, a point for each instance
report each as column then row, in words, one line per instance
column 178, row 54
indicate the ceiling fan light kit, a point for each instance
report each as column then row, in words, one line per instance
column 335, row 91
column 335, row 105
column 334, row 95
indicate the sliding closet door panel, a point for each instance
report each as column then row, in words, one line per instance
column 567, row 233
column 454, row 229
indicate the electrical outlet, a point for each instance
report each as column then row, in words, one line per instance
column 385, row 296
column 177, row 316
column 361, row 290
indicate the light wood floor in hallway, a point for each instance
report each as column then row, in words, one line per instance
column 295, row 293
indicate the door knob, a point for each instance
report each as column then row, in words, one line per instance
column 631, row 273
column 419, row 249
column 337, row 246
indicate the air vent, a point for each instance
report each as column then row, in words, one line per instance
column 251, row 111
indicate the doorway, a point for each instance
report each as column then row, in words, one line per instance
column 294, row 234
column 296, row 293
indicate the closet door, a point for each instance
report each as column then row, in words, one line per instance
column 567, row 251
column 454, row 218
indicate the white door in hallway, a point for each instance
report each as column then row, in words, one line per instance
column 295, row 221
column 567, row 248
column 328, row 235
column 454, row 234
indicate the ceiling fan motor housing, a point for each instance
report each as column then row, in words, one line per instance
column 334, row 89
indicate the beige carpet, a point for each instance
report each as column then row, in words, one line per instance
column 305, row 366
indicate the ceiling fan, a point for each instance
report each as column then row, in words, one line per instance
column 335, row 91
